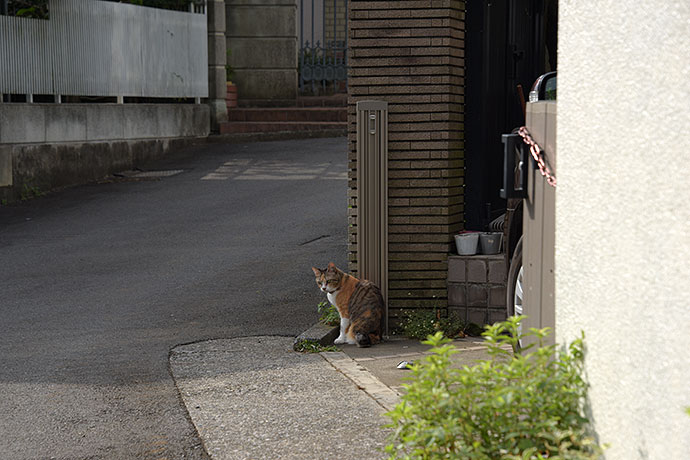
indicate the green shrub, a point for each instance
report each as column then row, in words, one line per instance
column 328, row 314
column 419, row 324
column 312, row 346
column 511, row 406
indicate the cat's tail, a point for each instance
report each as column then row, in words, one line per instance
column 366, row 340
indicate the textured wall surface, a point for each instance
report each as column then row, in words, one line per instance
column 411, row 54
column 54, row 145
column 262, row 40
column 622, row 217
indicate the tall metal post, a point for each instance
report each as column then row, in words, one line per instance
column 372, row 195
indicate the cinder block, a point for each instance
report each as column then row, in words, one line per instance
column 456, row 270
column 497, row 296
column 476, row 295
column 476, row 270
column 457, row 295
column 477, row 316
column 458, row 312
column 496, row 316
column 497, row 271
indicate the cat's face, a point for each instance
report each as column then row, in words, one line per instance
column 328, row 280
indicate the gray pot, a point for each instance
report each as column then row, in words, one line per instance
column 466, row 243
column 490, row 242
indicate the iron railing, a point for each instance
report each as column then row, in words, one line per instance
column 322, row 58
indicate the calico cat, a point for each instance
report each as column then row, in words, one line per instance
column 359, row 304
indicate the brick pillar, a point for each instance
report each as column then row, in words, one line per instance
column 216, row 62
column 411, row 54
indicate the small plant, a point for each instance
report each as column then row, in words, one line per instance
column 419, row 324
column 312, row 346
column 229, row 71
column 30, row 191
column 511, row 406
column 328, row 314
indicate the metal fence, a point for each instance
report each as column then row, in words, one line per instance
column 96, row 48
column 322, row 56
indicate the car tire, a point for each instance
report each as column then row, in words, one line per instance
column 515, row 287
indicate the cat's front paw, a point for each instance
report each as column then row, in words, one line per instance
column 340, row 340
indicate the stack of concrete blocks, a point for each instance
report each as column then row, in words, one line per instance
column 477, row 288
column 262, row 40
column 411, row 54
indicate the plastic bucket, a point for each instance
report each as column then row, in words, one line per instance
column 466, row 243
column 490, row 242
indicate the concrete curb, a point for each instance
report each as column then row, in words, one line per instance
column 274, row 136
column 324, row 335
column 385, row 396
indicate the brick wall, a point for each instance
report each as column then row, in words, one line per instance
column 411, row 54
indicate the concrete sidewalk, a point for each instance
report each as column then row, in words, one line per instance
column 254, row 397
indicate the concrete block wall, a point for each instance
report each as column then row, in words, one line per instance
column 477, row 288
column 262, row 39
column 411, row 54
column 44, row 146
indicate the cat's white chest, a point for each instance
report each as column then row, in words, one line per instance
column 331, row 298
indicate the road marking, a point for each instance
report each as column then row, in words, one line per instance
column 247, row 169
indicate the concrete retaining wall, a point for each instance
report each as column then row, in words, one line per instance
column 262, row 39
column 43, row 146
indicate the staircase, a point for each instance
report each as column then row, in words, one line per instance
column 313, row 114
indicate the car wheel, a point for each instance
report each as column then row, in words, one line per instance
column 515, row 288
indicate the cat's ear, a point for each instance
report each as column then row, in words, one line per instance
column 331, row 267
column 317, row 272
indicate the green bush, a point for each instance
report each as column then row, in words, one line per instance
column 511, row 406
column 328, row 314
column 419, row 324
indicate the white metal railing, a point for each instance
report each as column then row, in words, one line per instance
column 97, row 48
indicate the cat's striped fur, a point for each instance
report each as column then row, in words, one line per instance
column 359, row 304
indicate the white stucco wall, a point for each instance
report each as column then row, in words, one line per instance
column 623, row 216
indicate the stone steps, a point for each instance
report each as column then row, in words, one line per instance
column 311, row 113
column 280, row 126
column 288, row 114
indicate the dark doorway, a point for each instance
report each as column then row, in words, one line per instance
column 508, row 44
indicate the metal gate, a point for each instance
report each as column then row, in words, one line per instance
column 322, row 59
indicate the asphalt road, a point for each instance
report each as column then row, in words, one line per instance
column 99, row 282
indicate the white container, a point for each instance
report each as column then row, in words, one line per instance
column 490, row 242
column 466, row 243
